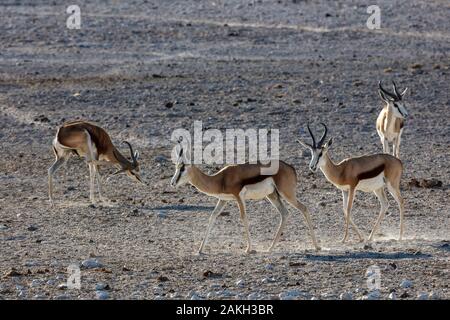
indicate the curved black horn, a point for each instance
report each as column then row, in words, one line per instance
column 399, row 97
column 132, row 153
column 385, row 91
column 324, row 134
column 312, row 136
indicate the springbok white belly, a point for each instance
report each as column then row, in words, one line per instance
column 366, row 185
column 258, row 190
column 369, row 185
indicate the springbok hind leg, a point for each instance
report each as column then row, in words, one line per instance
column 274, row 198
column 300, row 206
column 381, row 195
column 395, row 192
column 244, row 220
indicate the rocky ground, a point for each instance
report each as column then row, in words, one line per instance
column 142, row 69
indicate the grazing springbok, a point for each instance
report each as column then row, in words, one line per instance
column 86, row 139
column 244, row 182
column 369, row 173
column 391, row 119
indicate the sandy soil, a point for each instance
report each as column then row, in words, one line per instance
column 231, row 64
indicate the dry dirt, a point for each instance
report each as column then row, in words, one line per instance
column 231, row 64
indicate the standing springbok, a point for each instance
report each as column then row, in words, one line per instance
column 239, row 183
column 391, row 119
column 369, row 173
column 86, row 139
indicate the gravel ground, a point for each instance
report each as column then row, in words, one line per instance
column 144, row 68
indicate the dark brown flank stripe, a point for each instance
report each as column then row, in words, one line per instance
column 372, row 173
column 254, row 180
column 402, row 124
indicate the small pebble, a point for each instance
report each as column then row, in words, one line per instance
column 102, row 295
column 240, row 283
column 346, row 296
column 406, row 284
column 392, row 296
column 91, row 264
column 422, row 296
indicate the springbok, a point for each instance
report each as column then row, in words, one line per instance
column 86, row 139
column 369, row 173
column 391, row 119
column 239, row 183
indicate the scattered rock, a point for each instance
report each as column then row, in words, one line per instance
column 3, row 227
column 40, row 297
column 346, row 296
column 210, row 274
column 240, row 283
column 425, row 183
column 422, row 296
column 91, row 264
column 13, row 273
column 36, row 283
column 416, row 66
column 406, row 284
column 434, row 296
column 269, row 267
column 161, row 214
column 102, row 286
column 387, row 70
column 292, row 294
column 168, row 104
column 62, row 286
column 163, row 278
column 373, row 295
column 62, row 297
column 392, row 296
column 268, row 280
column 51, row 282
column 102, row 295
column 404, row 295
column 32, row 228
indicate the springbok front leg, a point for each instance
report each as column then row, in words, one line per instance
column 274, row 198
column 90, row 158
column 217, row 210
column 381, row 195
column 355, row 228
column 347, row 213
column 244, row 220
column 386, row 148
column 60, row 160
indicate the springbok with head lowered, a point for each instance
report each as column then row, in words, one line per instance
column 391, row 120
column 369, row 173
column 86, row 139
column 243, row 182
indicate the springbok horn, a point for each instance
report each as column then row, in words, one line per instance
column 399, row 97
column 324, row 134
column 132, row 153
column 312, row 136
column 386, row 92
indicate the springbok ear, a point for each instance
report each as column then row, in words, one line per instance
column 383, row 97
column 404, row 92
column 303, row 144
column 329, row 143
column 136, row 154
